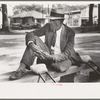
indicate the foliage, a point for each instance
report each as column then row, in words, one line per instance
column 70, row 7
column 20, row 8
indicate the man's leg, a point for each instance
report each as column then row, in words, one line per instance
column 28, row 59
column 61, row 66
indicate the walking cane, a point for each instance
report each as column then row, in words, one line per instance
column 88, row 63
column 87, row 60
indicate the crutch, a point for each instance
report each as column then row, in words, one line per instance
column 41, row 69
column 40, row 76
column 87, row 60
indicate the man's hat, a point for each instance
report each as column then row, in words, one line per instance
column 56, row 14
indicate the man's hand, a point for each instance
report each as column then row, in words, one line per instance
column 56, row 58
column 43, row 55
column 47, row 56
column 40, row 53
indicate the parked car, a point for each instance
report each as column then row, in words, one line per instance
column 16, row 26
column 19, row 26
column 31, row 26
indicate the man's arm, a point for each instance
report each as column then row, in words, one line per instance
column 38, row 32
column 39, row 52
column 64, row 55
column 30, row 41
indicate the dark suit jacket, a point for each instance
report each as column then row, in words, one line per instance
column 66, row 41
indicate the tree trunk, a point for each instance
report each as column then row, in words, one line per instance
column 98, row 15
column 91, row 14
column 4, row 18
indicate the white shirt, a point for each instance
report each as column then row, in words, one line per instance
column 56, row 48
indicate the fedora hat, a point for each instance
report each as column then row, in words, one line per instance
column 56, row 14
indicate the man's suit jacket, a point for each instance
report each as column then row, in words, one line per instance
column 66, row 41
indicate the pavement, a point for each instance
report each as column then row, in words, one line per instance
column 12, row 48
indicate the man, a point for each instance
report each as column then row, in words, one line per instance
column 58, row 50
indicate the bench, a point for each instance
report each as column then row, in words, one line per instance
column 31, row 77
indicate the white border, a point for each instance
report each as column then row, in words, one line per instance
column 50, row 91
column 51, row 2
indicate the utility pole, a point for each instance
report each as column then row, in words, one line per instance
column 48, row 9
column 42, row 11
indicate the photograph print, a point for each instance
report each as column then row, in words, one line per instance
column 49, row 42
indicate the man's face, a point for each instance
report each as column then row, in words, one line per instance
column 54, row 23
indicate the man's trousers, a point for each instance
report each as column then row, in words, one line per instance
column 29, row 57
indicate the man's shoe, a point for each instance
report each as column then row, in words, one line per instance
column 18, row 74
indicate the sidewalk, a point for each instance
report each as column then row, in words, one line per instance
column 12, row 48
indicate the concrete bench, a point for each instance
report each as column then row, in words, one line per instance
column 31, row 77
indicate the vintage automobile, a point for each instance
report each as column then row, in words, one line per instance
column 16, row 26
column 26, row 26
column 31, row 26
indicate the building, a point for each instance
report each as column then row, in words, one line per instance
column 80, row 17
column 29, row 17
column 73, row 18
column 85, row 14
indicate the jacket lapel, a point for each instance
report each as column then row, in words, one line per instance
column 64, row 37
column 49, row 37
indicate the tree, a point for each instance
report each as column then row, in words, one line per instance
column 98, row 15
column 91, row 14
column 20, row 8
column 4, row 18
column 68, row 7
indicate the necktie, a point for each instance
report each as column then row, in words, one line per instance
column 54, row 39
